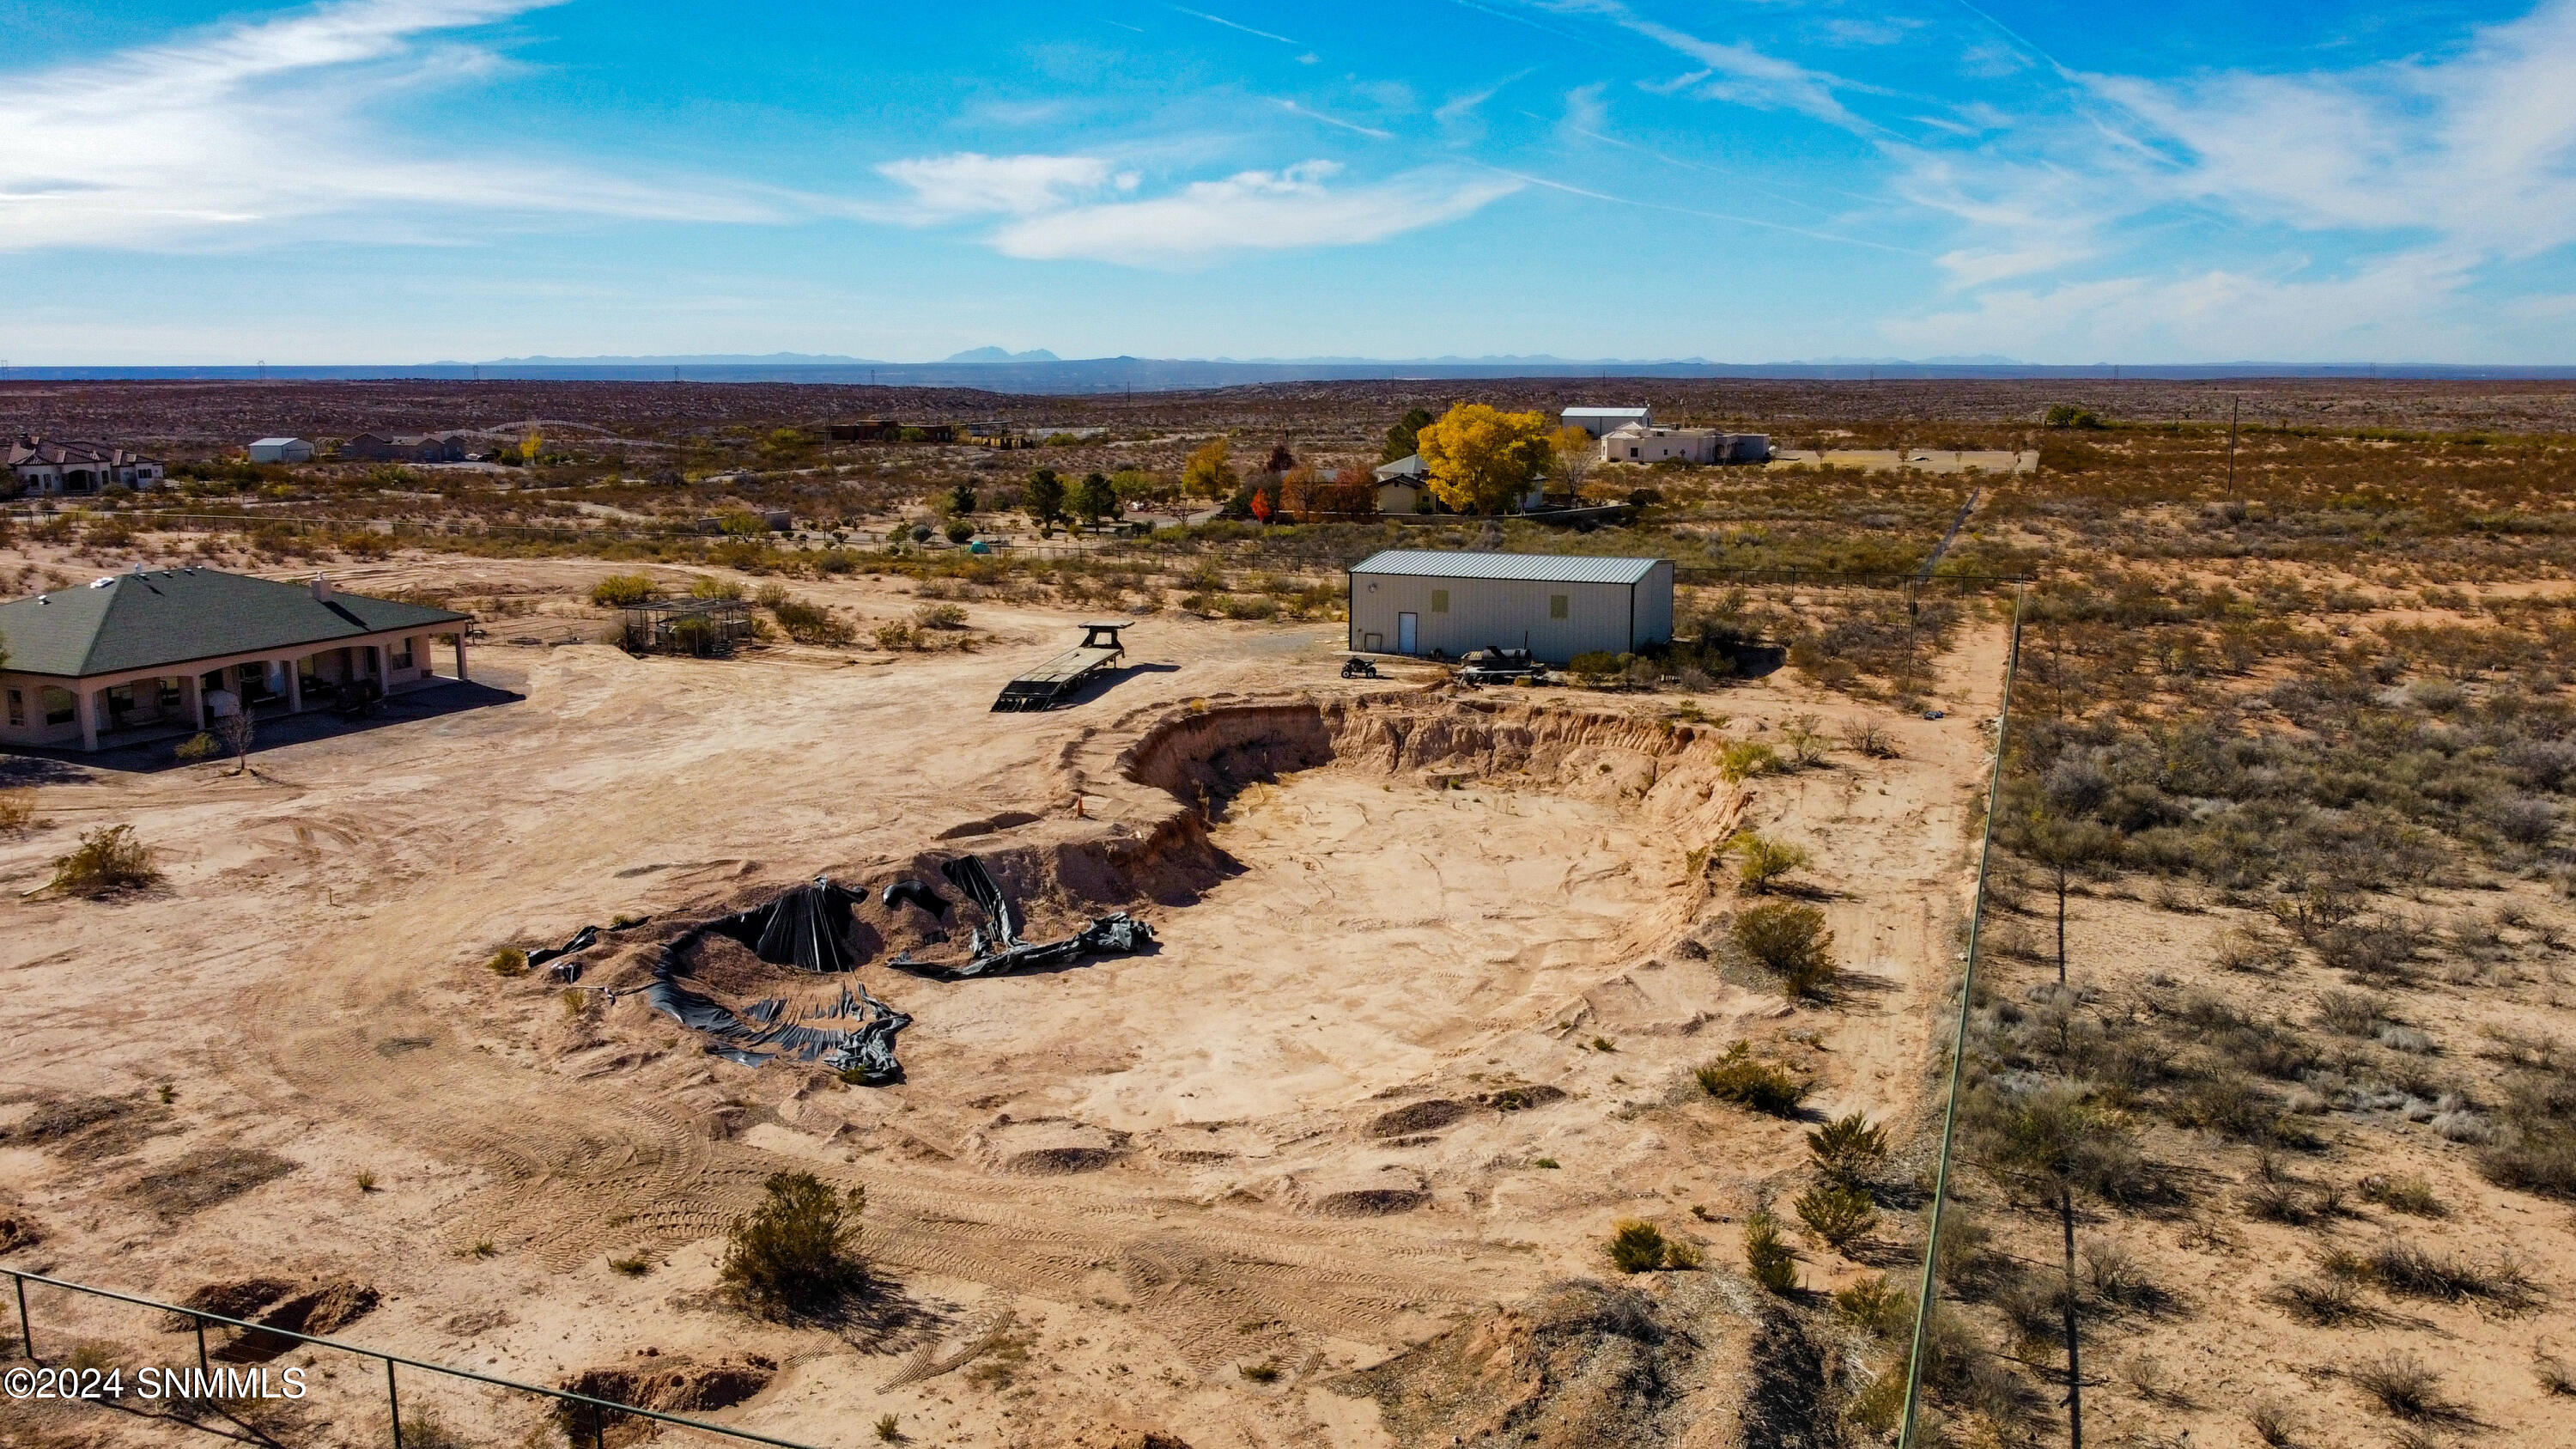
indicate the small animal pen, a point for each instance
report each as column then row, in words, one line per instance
column 707, row 628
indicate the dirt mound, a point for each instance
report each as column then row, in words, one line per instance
column 1428, row 1116
column 1581, row 1365
column 1046, row 1146
column 665, row 1385
column 17, row 1231
column 206, row 1177
column 1364, row 1192
column 238, row 1299
column 62, row 1117
column 319, row 1311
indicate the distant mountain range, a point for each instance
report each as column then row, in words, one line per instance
column 998, row 370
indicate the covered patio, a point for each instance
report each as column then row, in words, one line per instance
column 170, row 651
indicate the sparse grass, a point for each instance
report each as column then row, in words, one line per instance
column 2411, row 1195
column 2407, row 1271
column 1768, row 1258
column 17, row 809
column 1744, row 759
column 889, row 1429
column 508, row 961
column 2553, row 1375
column 425, row 1428
column 1547, row 1163
column 108, row 860
column 798, row 1248
column 366, row 1180
column 1868, row 740
column 482, row 1248
column 1749, row 1081
column 635, row 1265
column 1264, row 1372
column 2325, row 1301
column 2272, row 1424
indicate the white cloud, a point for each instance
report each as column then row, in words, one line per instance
column 945, row 188
column 1254, row 210
column 265, row 121
column 2388, row 190
column 1734, row 72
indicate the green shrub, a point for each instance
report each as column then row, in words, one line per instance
column 799, row 1248
column 1876, row 1308
column 959, row 530
column 199, row 746
column 109, row 860
column 1837, row 1215
column 1746, row 1080
column 1789, row 941
column 1767, row 1257
column 810, row 623
column 1636, row 1247
column 1759, row 863
column 938, row 616
column 508, row 961
column 1594, row 669
column 1744, row 759
column 1848, row 1149
column 618, row 591
column 707, row 586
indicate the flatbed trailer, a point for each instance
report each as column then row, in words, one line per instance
column 1056, row 681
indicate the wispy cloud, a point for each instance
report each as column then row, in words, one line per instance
column 944, row 188
column 1311, row 114
column 1253, row 210
column 261, row 122
column 1732, row 70
column 1233, row 25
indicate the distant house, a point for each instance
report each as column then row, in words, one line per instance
column 406, row 448
column 159, row 650
column 1646, row 443
column 281, row 450
column 1598, row 421
column 60, row 465
column 1401, row 485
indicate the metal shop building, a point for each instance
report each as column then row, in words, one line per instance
column 1410, row 602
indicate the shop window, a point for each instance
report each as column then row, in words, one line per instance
column 1556, row 606
column 1440, row 601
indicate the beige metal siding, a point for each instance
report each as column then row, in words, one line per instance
column 1512, row 613
column 1655, row 605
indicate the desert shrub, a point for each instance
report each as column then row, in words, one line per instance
column 1592, row 670
column 1637, row 1247
column 2353, row 1013
column 108, row 859
column 1790, row 941
column 798, row 1248
column 1869, row 740
column 1767, row 1256
column 2411, row 1195
column 2272, row 1424
column 18, row 806
column 708, row 586
column 1749, row 1081
column 959, row 530
column 1806, row 738
column 2322, row 1301
column 1876, row 1308
column 2231, row 1105
column 1744, row 759
column 508, row 961
column 425, row 1428
column 618, row 591
column 2116, row 1276
column 938, row 616
column 2535, row 1151
column 1759, row 862
column 2407, row 1271
column 199, row 746
column 1848, row 1149
column 1837, row 1215
column 2368, row 950
column 770, row 596
column 2404, row 1385
column 810, row 623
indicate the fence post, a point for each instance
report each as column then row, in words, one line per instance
column 202, row 1365
column 598, row 1429
column 26, row 1335
column 393, row 1403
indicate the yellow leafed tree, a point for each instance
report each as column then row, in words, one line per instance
column 1481, row 459
column 1206, row 473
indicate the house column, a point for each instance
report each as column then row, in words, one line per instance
column 88, row 701
column 192, row 698
column 294, row 688
column 460, row 656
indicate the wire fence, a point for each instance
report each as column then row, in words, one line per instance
column 1919, row 1352
column 240, row 1384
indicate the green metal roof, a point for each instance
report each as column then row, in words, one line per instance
column 175, row 616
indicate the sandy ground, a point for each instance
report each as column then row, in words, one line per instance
column 307, row 983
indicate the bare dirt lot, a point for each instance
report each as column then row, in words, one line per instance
column 1433, row 975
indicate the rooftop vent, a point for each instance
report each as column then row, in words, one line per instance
column 322, row 588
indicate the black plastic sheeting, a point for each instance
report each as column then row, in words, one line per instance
column 807, row 928
column 1113, row 935
column 968, row 874
column 757, row 1035
column 919, row 895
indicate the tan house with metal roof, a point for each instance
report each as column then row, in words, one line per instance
column 162, row 650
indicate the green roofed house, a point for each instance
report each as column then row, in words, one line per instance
column 167, row 649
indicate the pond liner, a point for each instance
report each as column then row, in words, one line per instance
column 967, row 873
column 1119, row 934
column 919, row 895
column 807, row 927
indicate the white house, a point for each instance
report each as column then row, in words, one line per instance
column 281, row 450
column 1645, row 443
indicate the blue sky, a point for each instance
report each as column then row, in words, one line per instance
column 411, row 180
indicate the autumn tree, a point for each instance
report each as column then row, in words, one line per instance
column 1575, row 452
column 1207, row 474
column 1481, row 459
column 1300, row 490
